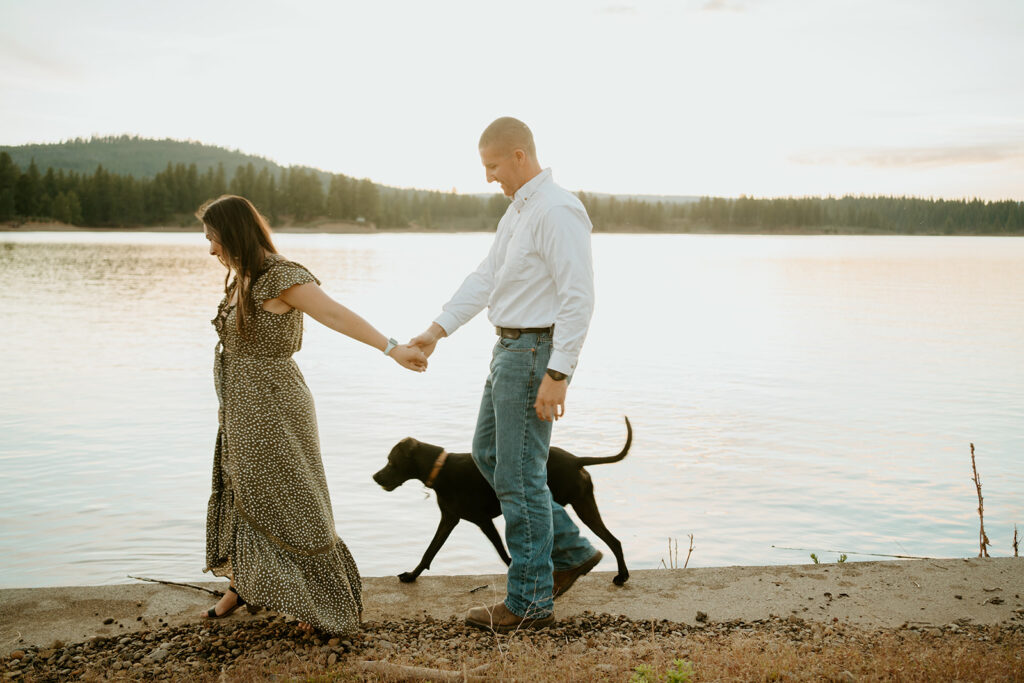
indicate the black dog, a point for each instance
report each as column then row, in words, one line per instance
column 463, row 493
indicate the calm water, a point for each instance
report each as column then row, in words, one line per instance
column 817, row 392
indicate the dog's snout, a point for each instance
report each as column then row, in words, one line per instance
column 382, row 478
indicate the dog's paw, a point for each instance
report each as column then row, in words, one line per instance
column 620, row 579
column 406, row 577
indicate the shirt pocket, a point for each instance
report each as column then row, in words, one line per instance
column 518, row 261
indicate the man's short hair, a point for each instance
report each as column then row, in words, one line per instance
column 509, row 134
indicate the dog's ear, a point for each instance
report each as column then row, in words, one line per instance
column 408, row 444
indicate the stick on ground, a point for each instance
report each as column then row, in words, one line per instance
column 219, row 594
column 982, row 538
column 420, row 673
column 688, row 553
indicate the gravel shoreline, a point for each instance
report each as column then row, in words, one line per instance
column 273, row 647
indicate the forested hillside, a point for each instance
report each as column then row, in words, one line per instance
column 73, row 187
column 134, row 156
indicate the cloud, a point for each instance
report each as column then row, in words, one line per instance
column 916, row 157
column 619, row 9
column 16, row 55
column 721, row 6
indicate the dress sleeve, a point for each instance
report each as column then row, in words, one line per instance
column 278, row 278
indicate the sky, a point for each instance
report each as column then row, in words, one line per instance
column 686, row 97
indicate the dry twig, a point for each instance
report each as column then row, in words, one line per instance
column 219, row 594
column 1016, row 542
column 982, row 538
column 854, row 552
column 420, row 673
column 688, row 553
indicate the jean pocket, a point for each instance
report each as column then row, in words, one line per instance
column 517, row 345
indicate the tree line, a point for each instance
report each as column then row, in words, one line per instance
column 299, row 195
column 850, row 214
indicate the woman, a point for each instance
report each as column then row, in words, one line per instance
column 270, row 528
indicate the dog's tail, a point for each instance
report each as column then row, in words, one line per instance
column 583, row 462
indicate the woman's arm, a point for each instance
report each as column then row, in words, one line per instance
column 315, row 302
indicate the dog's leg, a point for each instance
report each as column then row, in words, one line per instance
column 589, row 515
column 444, row 528
column 494, row 537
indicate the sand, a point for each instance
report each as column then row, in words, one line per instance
column 863, row 594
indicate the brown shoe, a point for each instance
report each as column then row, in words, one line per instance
column 563, row 579
column 501, row 620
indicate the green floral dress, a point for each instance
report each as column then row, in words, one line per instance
column 269, row 521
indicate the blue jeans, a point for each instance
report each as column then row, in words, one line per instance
column 510, row 448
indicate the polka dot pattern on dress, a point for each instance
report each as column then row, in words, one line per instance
column 270, row 525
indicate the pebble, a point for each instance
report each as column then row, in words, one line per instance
column 198, row 651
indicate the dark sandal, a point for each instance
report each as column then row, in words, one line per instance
column 212, row 612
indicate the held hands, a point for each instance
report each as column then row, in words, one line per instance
column 409, row 357
column 427, row 340
column 550, row 403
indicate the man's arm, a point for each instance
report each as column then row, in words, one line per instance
column 564, row 243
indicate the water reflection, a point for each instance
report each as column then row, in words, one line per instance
column 797, row 391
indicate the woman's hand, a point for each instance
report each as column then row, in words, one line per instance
column 409, row 357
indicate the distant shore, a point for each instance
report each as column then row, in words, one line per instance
column 354, row 228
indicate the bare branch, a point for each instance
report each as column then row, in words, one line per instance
column 175, row 583
column 982, row 538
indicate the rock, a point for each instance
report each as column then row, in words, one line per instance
column 846, row 677
column 108, row 621
column 17, row 654
column 333, row 658
column 334, row 642
column 702, row 617
column 794, row 619
column 158, row 654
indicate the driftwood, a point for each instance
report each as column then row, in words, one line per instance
column 854, row 552
column 421, row 673
column 219, row 594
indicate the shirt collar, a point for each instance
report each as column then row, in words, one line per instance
column 524, row 193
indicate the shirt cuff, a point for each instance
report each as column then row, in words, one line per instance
column 562, row 362
column 448, row 323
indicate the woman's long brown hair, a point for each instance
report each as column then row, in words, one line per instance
column 244, row 237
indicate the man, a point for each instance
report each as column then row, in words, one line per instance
column 538, row 285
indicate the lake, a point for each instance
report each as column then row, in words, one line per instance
column 813, row 392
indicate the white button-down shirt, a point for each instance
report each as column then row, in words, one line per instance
column 539, row 271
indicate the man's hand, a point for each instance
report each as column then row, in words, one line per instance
column 427, row 340
column 550, row 404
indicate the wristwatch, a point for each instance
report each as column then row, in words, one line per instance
column 556, row 375
column 391, row 344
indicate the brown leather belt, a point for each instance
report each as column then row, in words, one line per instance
column 516, row 332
